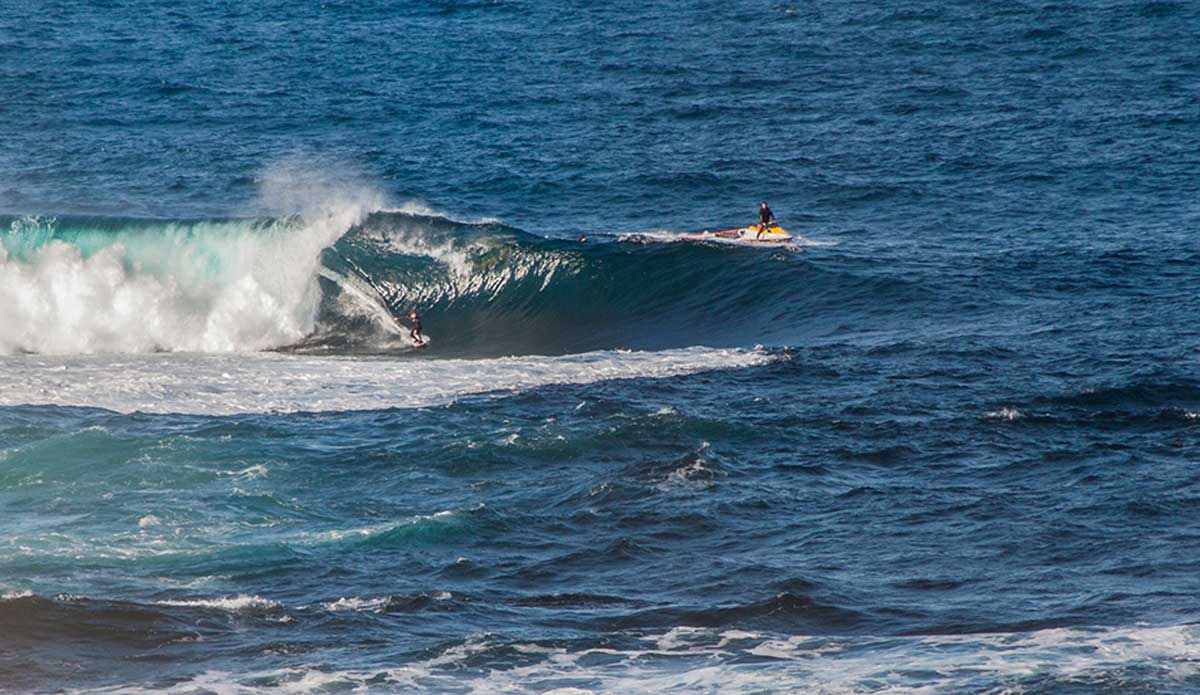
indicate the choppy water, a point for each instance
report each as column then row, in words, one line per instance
column 946, row 443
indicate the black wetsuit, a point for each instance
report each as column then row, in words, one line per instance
column 764, row 219
column 414, row 329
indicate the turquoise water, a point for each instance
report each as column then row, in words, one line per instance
column 944, row 443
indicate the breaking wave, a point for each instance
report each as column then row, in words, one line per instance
column 331, row 277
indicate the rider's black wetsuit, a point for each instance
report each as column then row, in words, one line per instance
column 765, row 217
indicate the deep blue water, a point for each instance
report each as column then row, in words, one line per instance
column 946, row 443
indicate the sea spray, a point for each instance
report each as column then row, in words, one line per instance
column 186, row 286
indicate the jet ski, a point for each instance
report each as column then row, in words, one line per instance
column 771, row 235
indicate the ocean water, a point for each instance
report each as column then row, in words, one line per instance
column 947, row 442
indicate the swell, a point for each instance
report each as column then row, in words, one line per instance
column 332, row 280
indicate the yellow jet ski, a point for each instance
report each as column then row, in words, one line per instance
column 772, row 234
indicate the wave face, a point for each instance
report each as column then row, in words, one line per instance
column 490, row 289
column 331, row 279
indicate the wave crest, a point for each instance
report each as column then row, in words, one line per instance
column 332, row 277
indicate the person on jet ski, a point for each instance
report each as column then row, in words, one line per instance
column 765, row 218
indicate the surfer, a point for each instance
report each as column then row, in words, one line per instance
column 765, row 218
column 414, row 328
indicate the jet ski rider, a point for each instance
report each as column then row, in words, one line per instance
column 765, row 218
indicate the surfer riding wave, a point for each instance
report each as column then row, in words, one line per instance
column 414, row 328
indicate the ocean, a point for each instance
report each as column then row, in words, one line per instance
column 946, row 442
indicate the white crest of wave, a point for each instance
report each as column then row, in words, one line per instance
column 1005, row 413
column 241, row 603
column 202, row 287
column 357, row 604
column 417, row 207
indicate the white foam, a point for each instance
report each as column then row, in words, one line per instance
column 223, row 384
column 206, row 287
column 661, row 236
column 665, row 237
column 804, row 241
column 695, row 475
column 698, row 660
column 1006, row 413
column 232, row 604
column 335, row 535
column 358, row 605
column 192, row 582
column 678, row 638
column 256, row 471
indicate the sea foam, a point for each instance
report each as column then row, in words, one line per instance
column 199, row 286
column 223, row 384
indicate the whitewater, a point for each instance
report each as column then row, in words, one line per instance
column 266, row 383
column 945, row 442
column 202, row 287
